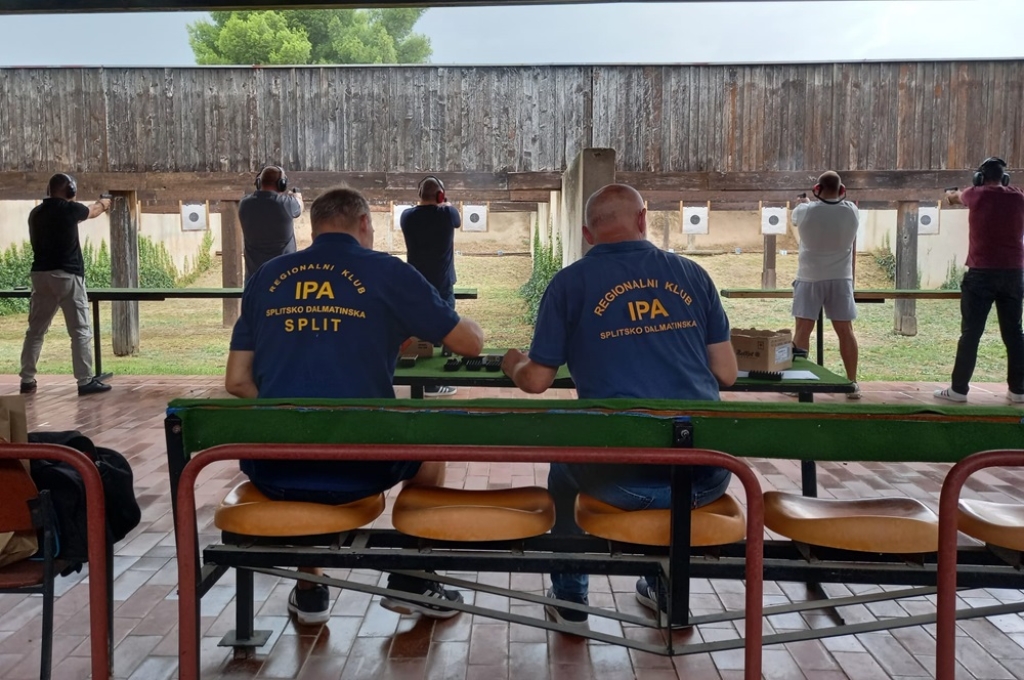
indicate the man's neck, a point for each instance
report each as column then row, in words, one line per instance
column 427, row 202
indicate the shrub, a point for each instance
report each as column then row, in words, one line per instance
column 954, row 277
column 201, row 264
column 15, row 263
column 547, row 261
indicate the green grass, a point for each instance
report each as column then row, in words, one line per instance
column 185, row 337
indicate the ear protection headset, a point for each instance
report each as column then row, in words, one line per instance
column 979, row 175
column 282, row 180
column 817, row 194
column 440, row 191
column 72, row 186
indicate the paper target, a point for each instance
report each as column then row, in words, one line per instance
column 474, row 218
column 928, row 220
column 773, row 221
column 396, row 215
column 695, row 219
column 193, row 217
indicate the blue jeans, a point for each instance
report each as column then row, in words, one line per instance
column 979, row 290
column 629, row 487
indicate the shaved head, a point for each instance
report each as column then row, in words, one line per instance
column 830, row 181
column 616, row 212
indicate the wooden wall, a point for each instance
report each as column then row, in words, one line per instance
column 739, row 118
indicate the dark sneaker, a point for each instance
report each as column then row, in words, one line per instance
column 440, row 391
column 94, row 386
column 418, row 586
column 566, row 616
column 648, row 596
column 27, row 387
column 800, row 353
column 310, row 605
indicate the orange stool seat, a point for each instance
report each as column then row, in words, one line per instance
column 473, row 515
column 247, row 511
column 882, row 525
column 999, row 524
column 717, row 523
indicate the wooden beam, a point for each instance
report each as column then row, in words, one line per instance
column 768, row 263
column 231, row 260
column 124, row 271
column 905, row 320
column 882, row 186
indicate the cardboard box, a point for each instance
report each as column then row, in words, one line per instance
column 763, row 350
column 414, row 347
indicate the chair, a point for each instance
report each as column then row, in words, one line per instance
column 717, row 523
column 473, row 515
column 879, row 525
column 23, row 508
column 997, row 524
column 247, row 511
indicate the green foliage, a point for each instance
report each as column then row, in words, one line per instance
column 954, row 276
column 97, row 265
column 15, row 264
column 547, row 261
column 334, row 36
column 156, row 268
column 886, row 260
column 202, row 263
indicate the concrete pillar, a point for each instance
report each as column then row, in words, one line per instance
column 541, row 233
column 588, row 172
column 905, row 321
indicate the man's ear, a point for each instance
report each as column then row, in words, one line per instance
column 588, row 236
column 642, row 222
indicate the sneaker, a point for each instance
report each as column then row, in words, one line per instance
column 949, row 394
column 27, row 387
column 94, row 386
column 648, row 596
column 855, row 394
column 800, row 353
column 310, row 605
column 440, row 391
column 431, row 589
column 566, row 616
column 1011, row 397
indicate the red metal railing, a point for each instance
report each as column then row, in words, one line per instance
column 945, row 615
column 187, row 540
column 95, row 508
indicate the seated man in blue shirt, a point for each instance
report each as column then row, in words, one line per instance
column 633, row 321
column 327, row 322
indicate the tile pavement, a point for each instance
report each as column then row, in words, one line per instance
column 362, row 640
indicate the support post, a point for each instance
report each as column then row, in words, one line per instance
column 768, row 266
column 905, row 321
column 543, row 227
column 124, row 271
column 231, row 259
column 588, row 172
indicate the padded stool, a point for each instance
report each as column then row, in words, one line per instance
column 473, row 515
column 247, row 511
column 882, row 525
column 1000, row 524
column 717, row 523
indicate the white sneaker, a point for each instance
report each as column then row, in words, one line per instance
column 855, row 394
column 441, row 391
column 1014, row 398
column 949, row 394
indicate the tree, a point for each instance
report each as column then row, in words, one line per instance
column 337, row 36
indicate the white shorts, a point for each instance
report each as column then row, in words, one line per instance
column 835, row 295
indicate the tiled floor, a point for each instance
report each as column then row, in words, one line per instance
column 362, row 640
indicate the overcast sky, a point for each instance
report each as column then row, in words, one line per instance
column 609, row 33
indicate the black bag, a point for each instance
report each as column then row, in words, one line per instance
column 68, row 493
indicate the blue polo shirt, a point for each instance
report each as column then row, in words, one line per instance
column 632, row 321
column 328, row 322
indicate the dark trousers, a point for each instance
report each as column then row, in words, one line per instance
column 981, row 288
